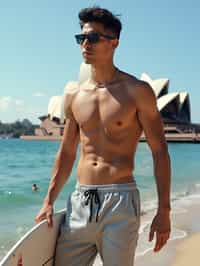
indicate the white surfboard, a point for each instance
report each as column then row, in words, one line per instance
column 37, row 246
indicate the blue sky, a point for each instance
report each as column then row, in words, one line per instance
column 38, row 54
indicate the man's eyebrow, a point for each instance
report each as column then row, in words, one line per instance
column 92, row 31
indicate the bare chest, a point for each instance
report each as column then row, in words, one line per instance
column 110, row 108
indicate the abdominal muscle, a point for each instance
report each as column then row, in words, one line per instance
column 105, row 164
column 92, row 172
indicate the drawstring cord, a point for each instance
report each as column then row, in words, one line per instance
column 90, row 194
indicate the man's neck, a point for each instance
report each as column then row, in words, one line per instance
column 103, row 74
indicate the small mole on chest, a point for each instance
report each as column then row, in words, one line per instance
column 119, row 123
column 95, row 164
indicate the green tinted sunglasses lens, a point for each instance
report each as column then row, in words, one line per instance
column 92, row 38
column 80, row 38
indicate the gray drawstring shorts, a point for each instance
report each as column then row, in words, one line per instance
column 100, row 218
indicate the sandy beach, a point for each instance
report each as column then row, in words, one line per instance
column 180, row 250
column 188, row 252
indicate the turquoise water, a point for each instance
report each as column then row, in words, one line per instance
column 23, row 163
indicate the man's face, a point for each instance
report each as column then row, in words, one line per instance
column 100, row 52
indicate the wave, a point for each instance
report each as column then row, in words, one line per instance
column 9, row 199
column 190, row 194
column 145, row 246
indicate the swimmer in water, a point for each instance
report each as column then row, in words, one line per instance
column 35, row 188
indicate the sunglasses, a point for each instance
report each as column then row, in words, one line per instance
column 92, row 37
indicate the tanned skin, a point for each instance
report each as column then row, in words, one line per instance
column 107, row 115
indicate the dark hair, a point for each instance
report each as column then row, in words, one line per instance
column 103, row 16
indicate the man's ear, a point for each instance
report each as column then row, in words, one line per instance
column 115, row 43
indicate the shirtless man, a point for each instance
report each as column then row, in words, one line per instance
column 107, row 114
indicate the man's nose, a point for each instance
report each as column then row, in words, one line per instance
column 86, row 43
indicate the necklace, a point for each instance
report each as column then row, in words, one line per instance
column 106, row 83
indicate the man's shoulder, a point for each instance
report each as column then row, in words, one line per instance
column 140, row 91
column 71, row 88
column 144, row 94
column 143, row 88
column 136, row 86
column 70, row 91
column 128, row 78
column 133, row 82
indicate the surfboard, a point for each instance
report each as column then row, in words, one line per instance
column 37, row 246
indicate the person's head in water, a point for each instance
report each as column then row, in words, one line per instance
column 34, row 187
column 100, row 35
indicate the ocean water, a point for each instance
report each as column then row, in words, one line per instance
column 23, row 163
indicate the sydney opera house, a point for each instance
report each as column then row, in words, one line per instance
column 174, row 107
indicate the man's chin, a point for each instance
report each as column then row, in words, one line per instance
column 87, row 61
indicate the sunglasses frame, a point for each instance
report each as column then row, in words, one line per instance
column 88, row 36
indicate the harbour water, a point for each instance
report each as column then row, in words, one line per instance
column 23, row 163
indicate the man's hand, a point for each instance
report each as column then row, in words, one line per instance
column 46, row 212
column 160, row 226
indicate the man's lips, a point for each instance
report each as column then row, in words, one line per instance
column 86, row 53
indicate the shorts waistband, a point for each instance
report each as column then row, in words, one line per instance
column 108, row 188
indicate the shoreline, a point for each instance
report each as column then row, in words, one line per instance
column 185, row 221
column 169, row 139
column 184, row 238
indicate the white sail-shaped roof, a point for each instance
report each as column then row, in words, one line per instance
column 159, row 86
column 146, row 77
column 184, row 106
column 85, row 72
column 55, row 108
column 163, row 101
column 183, row 97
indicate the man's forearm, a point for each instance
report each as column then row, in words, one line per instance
column 61, row 171
column 162, row 171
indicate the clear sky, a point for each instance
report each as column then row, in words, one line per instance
column 38, row 53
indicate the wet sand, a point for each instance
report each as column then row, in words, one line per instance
column 188, row 252
column 182, row 249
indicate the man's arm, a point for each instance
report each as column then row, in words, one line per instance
column 151, row 122
column 63, row 163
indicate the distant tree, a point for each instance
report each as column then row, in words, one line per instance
column 26, row 123
column 17, row 128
